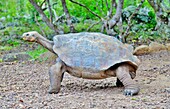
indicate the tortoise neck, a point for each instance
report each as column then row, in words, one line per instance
column 45, row 42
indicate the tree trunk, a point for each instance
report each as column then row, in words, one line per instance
column 116, row 17
column 109, row 24
column 50, row 11
column 44, row 17
column 68, row 17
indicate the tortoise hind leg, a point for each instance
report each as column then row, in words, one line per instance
column 122, row 73
column 56, row 75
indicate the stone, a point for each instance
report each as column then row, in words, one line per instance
column 11, row 57
column 142, row 49
column 155, row 47
column 167, row 90
column 168, row 46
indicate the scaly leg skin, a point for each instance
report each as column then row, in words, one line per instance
column 122, row 73
column 56, row 75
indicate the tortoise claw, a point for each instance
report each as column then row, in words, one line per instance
column 50, row 91
column 131, row 92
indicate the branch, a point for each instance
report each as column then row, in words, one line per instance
column 153, row 4
column 38, row 24
column 116, row 17
column 99, row 8
column 126, row 33
column 58, row 18
column 102, row 4
column 112, row 4
column 50, row 11
column 135, row 12
column 44, row 17
column 68, row 17
column 82, row 5
column 106, row 2
column 42, row 3
column 93, row 25
column 165, row 7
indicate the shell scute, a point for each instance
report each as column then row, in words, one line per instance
column 92, row 51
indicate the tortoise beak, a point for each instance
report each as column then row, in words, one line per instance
column 30, row 39
column 24, row 38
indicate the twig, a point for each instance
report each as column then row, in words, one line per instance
column 54, row 4
column 38, row 24
column 107, row 5
column 82, row 5
column 99, row 8
column 58, row 18
column 68, row 17
column 50, row 11
column 117, row 15
column 113, row 2
column 93, row 25
column 102, row 4
column 44, row 17
column 126, row 33
column 42, row 3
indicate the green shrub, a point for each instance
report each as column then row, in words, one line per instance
column 36, row 53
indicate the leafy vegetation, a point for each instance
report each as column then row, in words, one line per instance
column 19, row 16
column 5, row 48
column 36, row 53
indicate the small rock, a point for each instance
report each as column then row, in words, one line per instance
column 167, row 90
column 155, row 47
column 16, row 57
column 168, row 46
column 92, row 105
column 22, row 106
column 140, row 50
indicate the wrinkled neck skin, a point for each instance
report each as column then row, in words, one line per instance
column 45, row 43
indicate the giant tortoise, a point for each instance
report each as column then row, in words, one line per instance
column 91, row 56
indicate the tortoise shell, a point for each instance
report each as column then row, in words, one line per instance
column 94, row 51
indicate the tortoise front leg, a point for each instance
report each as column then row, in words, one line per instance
column 122, row 73
column 56, row 75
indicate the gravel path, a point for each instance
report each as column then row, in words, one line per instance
column 24, row 86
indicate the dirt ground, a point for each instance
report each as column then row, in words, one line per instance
column 24, row 85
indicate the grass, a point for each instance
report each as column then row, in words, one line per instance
column 13, row 42
column 5, row 48
column 36, row 53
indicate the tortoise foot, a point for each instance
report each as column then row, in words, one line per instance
column 53, row 91
column 131, row 91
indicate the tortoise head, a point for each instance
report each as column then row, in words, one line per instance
column 31, row 36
